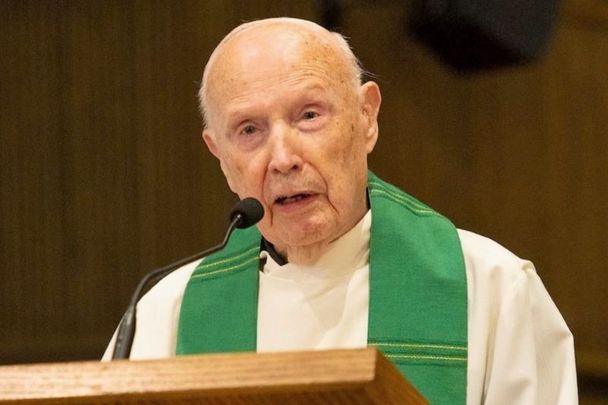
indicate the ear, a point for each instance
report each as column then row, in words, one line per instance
column 210, row 142
column 209, row 138
column 370, row 106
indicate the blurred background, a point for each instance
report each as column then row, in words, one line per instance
column 104, row 176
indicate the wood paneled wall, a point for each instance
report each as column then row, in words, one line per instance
column 102, row 167
column 104, row 176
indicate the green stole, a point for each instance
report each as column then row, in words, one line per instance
column 418, row 295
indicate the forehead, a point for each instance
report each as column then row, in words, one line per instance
column 254, row 60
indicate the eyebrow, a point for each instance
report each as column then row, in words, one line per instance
column 239, row 110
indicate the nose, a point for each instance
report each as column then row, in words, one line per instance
column 285, row 155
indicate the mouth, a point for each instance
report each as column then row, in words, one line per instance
column 286, row 200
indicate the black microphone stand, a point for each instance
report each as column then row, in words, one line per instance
column 126, row 329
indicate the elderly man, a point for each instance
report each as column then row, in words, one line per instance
column 341, row 258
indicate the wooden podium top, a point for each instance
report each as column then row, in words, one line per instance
column 350, row 376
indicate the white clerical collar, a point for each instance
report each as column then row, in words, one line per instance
column 343, row 256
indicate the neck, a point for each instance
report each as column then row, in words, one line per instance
column 311, row 254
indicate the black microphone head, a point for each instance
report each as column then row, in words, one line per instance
column 249, row 210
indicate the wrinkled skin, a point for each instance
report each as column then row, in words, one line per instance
column 292, row 128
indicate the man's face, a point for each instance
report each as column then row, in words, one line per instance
column 291, row 129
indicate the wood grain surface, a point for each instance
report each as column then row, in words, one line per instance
column 359, row 376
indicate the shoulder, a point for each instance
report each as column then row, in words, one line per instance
column 484, row 252
column 158, row 315
column 498, row 281
column 170, row 289
column 489, row 265
column 171, row 284
column 496, row 278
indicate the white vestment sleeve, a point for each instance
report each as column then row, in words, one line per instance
column 157, row 317
column 520, row 349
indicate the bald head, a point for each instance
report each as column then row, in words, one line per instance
column 291, row 125
column 275, row 37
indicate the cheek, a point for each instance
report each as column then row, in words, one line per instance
column 245, row 175
column 346, row 164
column 231, row 174
column 344, row 149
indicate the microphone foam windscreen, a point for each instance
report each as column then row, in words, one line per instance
column 250, row 210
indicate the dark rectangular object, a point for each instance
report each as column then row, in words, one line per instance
column 477, row 34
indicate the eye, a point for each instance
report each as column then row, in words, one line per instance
column 248, row 130
column 312, row 118
column 310, row 115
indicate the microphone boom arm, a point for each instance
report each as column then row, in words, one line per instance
column 126, row 329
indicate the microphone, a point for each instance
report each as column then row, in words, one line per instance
column 245, row 213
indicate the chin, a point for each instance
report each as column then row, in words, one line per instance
column 307, row 234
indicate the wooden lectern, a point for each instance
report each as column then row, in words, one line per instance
column 354, row 376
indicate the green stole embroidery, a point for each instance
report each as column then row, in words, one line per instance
column 418, row 295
